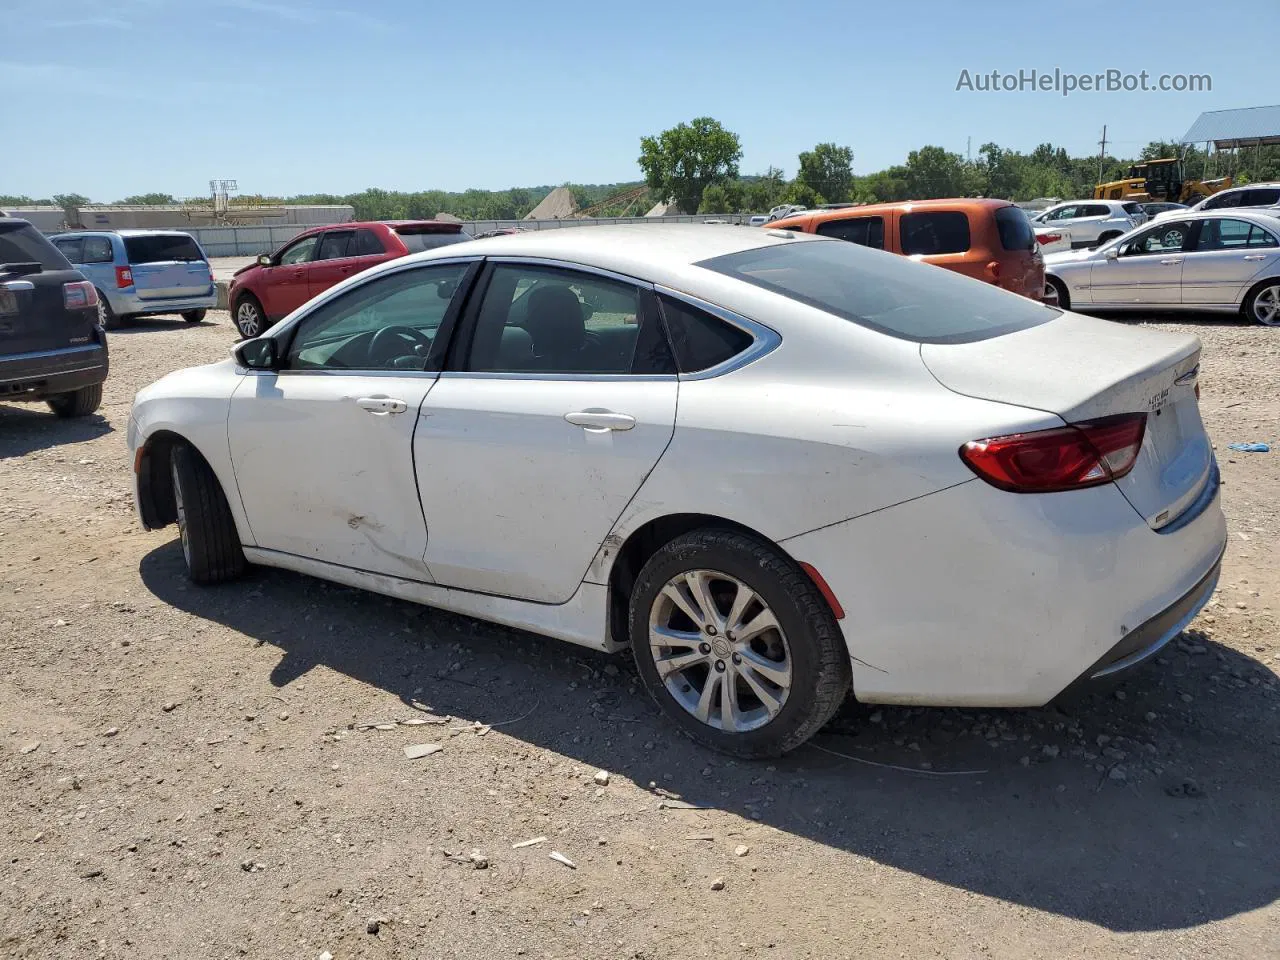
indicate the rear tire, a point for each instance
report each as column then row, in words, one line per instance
column 1262, row 305
column 210, row 542
column 77, row 403
column 249, row 317
column 772, row 687
column 194, row 316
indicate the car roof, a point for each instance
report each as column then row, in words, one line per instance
column 1240, row 213
column 656, row 252
column 902, row 206
column 125, row 233
column 450, row 225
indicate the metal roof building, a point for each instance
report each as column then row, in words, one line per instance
column 1245, row 127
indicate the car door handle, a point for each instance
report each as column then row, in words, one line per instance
column 382, row 405
column 601, row 420
column 1256, row 256
column 1170, row 263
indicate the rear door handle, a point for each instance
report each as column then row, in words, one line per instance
column 601, row 421
column 382, row 405
column 1170, row 263
column 1256, row 256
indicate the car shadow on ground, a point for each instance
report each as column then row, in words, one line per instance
column 28, row 427
column 1144, row 806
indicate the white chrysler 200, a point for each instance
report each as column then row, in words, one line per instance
column 775, row 466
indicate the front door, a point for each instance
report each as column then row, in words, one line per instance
column 1148, row 269
column 334, row 262
column 1225, row 257
column 287, row 288
column 323, row 448
column 529, row 449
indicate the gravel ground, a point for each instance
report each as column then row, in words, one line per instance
column 214, row 773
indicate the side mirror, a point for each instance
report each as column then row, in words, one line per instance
column 259, row 354
column 1112, row 253
column 264, row 260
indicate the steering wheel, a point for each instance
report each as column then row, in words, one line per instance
column 389, row 343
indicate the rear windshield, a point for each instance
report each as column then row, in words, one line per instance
column 26, row 244
column 888, row 293
column 933, row 232
column 417, row 241
column 1015, row 229
column 158, row 248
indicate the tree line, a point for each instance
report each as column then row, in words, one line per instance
column 696, row 164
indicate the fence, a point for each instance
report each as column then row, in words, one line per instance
column 251, row 241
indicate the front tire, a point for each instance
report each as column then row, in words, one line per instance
column 77, row 403
column 249, row 317
column 1055, row 294
column 736, row 644
column 193, row 316
column 1262, row 305
column 210, row 542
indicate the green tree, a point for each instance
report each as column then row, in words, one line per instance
column 762, row 193
column 21, row 200
column 827, row 170
column 685, row 160
column 724, row 197
column 802, row 194
column 150, row 199
column 68, row 200
column 935, row 172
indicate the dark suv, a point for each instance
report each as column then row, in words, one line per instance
column 52, row 347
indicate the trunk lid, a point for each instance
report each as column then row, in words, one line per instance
column 1082, row 368
column 167, row 266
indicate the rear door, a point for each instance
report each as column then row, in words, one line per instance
column 335, row 260
column 33, row 314
column 1147, row 271
column 167, row 266
column 1222, row 260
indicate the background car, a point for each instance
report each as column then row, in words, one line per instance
column 143, row 273
column 1265, row 195
column 52, row 347
column 1052, row 239
column 312, row 262
column 1092, row 222
column 708, row 444
column 989, row 240
column 1154, row 209
column 1219, row 262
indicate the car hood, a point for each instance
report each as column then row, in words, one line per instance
column 209, row 380
column 1068, row 256
column 246, row 268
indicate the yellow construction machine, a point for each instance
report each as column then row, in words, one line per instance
column 1159, row 180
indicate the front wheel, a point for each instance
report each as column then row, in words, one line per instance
column 1263, row 304
column 193, row 316
column 77, row 403
column 1055, row 294
column 210, row 542
column 249, row 318
column 736, row 644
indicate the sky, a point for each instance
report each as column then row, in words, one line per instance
column 115, row 98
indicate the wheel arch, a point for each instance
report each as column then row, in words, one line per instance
column 156, row 502
column 1254, row 288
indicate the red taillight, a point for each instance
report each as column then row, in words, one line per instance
column 1048, row 237
column 993, row 271
column 1064, row 458
column 79, row 295
column 124, row 277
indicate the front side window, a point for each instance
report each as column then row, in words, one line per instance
column 98, row 250
column 934, row 232
column 388, row 323
column 1166, row 238
column 1062, row 213
column 1229, row 198
column 537, row 319
column 300, row 252
column 865, row 231
column 334, row 246
column 889, row 294
column 72, row 248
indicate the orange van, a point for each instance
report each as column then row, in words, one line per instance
column 990, row 240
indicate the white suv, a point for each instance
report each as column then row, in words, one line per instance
column 1266, row 195
column 1093, row 222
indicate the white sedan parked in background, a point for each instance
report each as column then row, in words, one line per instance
column 1224, row 262
column 1052, row 239
column 765, row 462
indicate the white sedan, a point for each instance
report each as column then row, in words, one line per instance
column 767, row 463
column 1225, row 261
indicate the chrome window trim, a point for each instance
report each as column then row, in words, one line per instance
column 573, row 267
column 766, row 339
column 579, row 377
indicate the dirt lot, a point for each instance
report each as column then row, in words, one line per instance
column 204, row 772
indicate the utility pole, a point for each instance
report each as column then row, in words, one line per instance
column 968, row 148
column 1102, row 152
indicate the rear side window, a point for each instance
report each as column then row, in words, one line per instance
column 934, row 231
column 333, row 246
column 366, row 244
column 1015, row 230
column 889, row 294
column 27, row 245
column 700, row 340
column 158, row 248
column 419, row 241
column 1133, row 208
column 97, row 250
column 1262, row 197
column 1095, row 210
column 865, row 231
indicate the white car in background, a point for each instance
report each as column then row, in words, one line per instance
column 1092, row 222
column 1053, row 239
column 1265, row 196
column 765, row 462
column 1223, row 262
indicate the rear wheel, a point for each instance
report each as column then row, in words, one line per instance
column 193, row 316
column 736, row 644
column 250, row 320
column 210, row 542
column 1055, row 294
column 77, row 403
column 1262, row 305
column 106, row 316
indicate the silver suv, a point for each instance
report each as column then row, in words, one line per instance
column 1093, row 222
column 1254, row 195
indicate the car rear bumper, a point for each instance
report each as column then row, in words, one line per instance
column 45, row 373
column 976, row 597
column 131, row 303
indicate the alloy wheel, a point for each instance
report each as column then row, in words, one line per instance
column 1266, row 306
column 720, row 651
column 247, row 320
column 1050, row 296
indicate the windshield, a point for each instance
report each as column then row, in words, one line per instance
column 883, row 291
column 160, row 248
